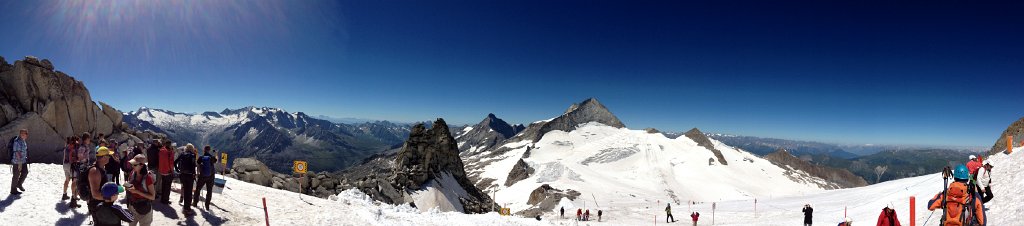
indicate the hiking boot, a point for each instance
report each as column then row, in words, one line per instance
column 65, row 197
column 74, row 204
column 15, row 193
column 21, row 188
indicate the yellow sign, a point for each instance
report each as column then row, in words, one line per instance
column 300, row 167
column 505, row 212
column 224, row 158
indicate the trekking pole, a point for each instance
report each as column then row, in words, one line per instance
column 929, row 218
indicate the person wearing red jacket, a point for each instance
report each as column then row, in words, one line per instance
column 695, row 215
column 888, row 218
column 166, row 161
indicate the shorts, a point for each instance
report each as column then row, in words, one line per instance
column 67, row 171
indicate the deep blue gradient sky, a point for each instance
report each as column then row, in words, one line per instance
column 866, row 72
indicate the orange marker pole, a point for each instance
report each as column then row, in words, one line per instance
column 913, row 214
column 1009, row 144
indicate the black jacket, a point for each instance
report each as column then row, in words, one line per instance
column 153, row 155
column 807, row 214
column 186, row 163
column 109, row 214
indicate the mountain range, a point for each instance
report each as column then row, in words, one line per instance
column 274, row 135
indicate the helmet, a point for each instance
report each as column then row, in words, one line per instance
column 972, row 157
column 961, row 172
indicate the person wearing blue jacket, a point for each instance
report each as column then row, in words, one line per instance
column 19, row 162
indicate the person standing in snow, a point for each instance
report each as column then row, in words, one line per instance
column 70, row 157
column 166, row 172
column 19, row 162
column 205, row 174
column 84, row 151
column 114, row 166
column 599, row 213
column 695, row 216
column 186, row 167
column 888, row 217
column 107, row 213
column 579, row 214
column 985, row 182
column 97, row 177
column 808, row 211
column 153, row 158
column 142, row 192
column 668, row 213
column 561, row 212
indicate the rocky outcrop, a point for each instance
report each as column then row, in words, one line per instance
column 545, row 198
column 426, row 159
column 840, row 178
column 1016, row 129
column 52, row 106
column 319, row 184
column 702, row 140
column 519, row 172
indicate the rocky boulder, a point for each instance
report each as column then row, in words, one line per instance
column 545, row 198
column 52, row 106
column 519, row 172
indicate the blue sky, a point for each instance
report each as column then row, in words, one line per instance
column 865, row 72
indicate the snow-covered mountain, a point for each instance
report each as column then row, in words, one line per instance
column 587, row 152
column 274, row 135
column 489, row 132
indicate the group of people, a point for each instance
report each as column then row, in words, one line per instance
column 961, row 201
column 582, row 215
column 94, row 169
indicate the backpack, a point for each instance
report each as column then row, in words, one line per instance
column 959, row 206
column 71, row 154
column 187, row 164
column 138, row 181
column 205, row 165
column 10, row 151
column 84, row 190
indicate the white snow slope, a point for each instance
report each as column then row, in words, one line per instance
column 633, row 166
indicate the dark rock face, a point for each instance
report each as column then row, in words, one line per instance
column 428, row 154
column 486, row 134
column 52, row 106
column 545, row 198
column 697, row 136
column 1016, row 129
column 840, row 177
column 519, row 172
column 319, row 184
column 587, row 111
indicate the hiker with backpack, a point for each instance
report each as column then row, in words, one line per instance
column 153, row 164
column 97, row 177
column 846, row 222
column 19, row 161
column 959, row 207
column 888, row 218
column 107, row 213
column 78, row 169
column 185, row 165
column 141, row 190
column 207, row 165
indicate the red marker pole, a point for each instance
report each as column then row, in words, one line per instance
column 265, row 213
column 913, row 214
